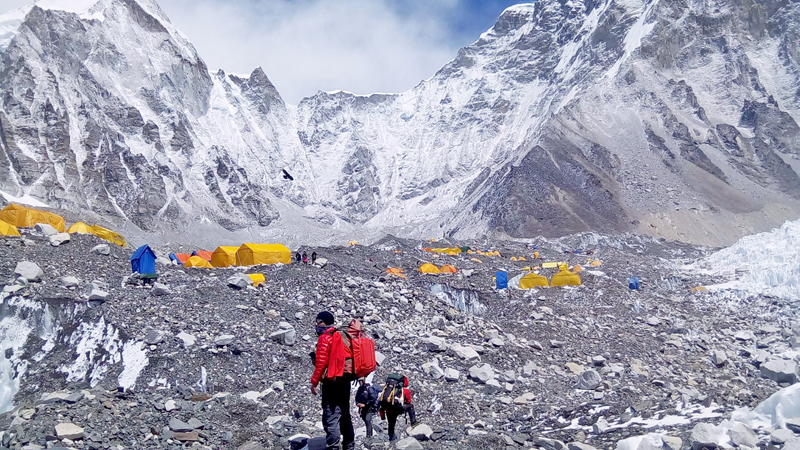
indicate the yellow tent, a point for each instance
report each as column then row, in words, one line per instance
column 476, row 260
column 428, row 268
column 224, row 256
column 532, row 280
column 445, row 251
column 536, row 255
column 20, row 216
column 549, row 265
column 257, row 278
column 448, row 269
column 699, row 289
column 110, row 236
column 254, row 254
column 577, row 268
column 596, row 263
column 352, row 243
column 565, row 278
column 6, row 229
column 197, row 261
column 563, row 266
column 396, row 271
column 80, row 228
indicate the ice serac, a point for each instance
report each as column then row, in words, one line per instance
column 673, row 118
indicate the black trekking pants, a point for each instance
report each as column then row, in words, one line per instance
column 366, row 416
column 392, row 416
column 336, row 414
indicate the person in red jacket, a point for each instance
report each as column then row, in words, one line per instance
column 329, row 371
column 392, row 412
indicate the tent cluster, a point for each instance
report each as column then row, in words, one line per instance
column 452, row 251
column 432, row 269
column 244, row 255
column 16, row 216
column 563, row 278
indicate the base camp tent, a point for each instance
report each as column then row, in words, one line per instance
column 257, row 278
column 428, row 268
column 203, row 254
column 20, row 216
column 143, row 261
column 533, row 281
column 448, row 269
column 224, row 256
column 179, row 258
column 396, row 271
column 565, row 278
column 501, row 279
column 80, row 228
column 196, row 261
column 254, row 254
column 6, row 229
column 110, row 236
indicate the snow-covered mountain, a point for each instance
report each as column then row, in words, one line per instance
column 677, row 118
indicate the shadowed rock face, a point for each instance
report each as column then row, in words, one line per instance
column 565, row 116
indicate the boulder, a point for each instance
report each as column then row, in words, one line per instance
column 704, row 435
column 179, row 425
column 98, row 295
column 188, row 339
column 653, row 321
column 549, row 444
column 101, row 249
column 780, row 370
column 29, row 271
column 742, row 436
column 409, row 443
column 482, row 373
column 45, row 229
column 422, row 432
column 321, row 262
column 154, row 337
column 379, row 357
column 170, row 405
column 284, row 336
column 432, row 368
column 67, row 430
column 239, row 281
column 588, row 380
column 650, row 441
column 465, row 353
column 224, row 339
column 719, row 358
column 253, row 445
column 435, row 344
column 160, row 289
column 58, row 239
column 672, row 442
column 492, row 387
column 780, row 436
column 451, row 374
column 793, row 424
column 70, row 282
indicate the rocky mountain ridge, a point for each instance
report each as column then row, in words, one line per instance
column 672, row 118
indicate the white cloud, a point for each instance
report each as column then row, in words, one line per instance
column 362, row 46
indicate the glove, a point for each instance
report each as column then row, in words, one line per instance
column 313, row 390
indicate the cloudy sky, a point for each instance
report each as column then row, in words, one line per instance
column 304, row 46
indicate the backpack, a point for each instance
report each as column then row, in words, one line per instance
column 360, row 359
column 391, row 397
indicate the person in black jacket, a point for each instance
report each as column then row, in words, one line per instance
column 367, row 402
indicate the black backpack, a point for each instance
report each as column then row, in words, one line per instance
column 391, row 397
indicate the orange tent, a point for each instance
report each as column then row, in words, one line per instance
column 203, row 254
column 182, row 257
column 395, row 271
column 448, row 269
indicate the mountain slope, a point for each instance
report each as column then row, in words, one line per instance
column 668, row 117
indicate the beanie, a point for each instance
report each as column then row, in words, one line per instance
column 325, row 317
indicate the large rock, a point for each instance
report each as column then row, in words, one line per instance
column 45, row 229
column 588, row 380
column 224, row 339
column 704, row 435
column 435, row 344
column 98, row 295
column 179, row 425
column 465, row 353
column 58, row 239
column 70, row 282
column 188, row 339
column 284, row 336
column 160, row 289
column 432, row 368
column 719, row 358
column 101, row 249
column 549, row 444
column 422, row 432
column 742, row 436
column 780, row 370
column 482, row 373
column 409, row 443
column 451, row 374
column 28, row 270
column 239, row 281
column 672, row 442
column 67, row 430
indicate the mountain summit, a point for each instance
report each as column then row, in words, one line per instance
column 673, row 118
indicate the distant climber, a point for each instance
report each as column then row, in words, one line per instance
column 394, row 401
column 313, row 257
column 305, row 258
column 367, row 402
column 297, row 257
column 329, row 369
column 286, row 176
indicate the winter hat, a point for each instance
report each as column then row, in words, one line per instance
column 325, row 317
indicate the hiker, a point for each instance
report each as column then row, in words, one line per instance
column 305, row 258
column 297, row 257
column 395, row 400
column 329, row 371
column 313, row 257
column 367, row 402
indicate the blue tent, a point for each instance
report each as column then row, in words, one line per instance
column 634, row 283
column 172, row 257
column 502, row 279
column 143, row 260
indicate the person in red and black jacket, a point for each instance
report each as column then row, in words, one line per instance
column 335, row 385
column 393, row 412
